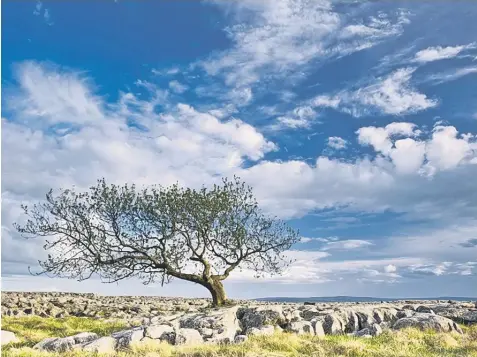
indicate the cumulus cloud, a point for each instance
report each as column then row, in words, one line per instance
column 335, row 142
column 74, row 125
column 184, row 145
column 437, row 53
column 443, row 151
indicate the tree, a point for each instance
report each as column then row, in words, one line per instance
column 118, row 232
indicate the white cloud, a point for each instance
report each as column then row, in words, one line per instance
column 452, row 75
column 337, row 143
column 177, row 87
column 380, row 138
column 195, row 147
column 44, row 12
column 437, row 53
column 280, row 36
column 347, row 244
column 446, row 150
column 390, row 268
column 443, row 151
column 326, row 101
column 392, row 95
column 300, row 117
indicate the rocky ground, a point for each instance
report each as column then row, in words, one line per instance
column 181, row 321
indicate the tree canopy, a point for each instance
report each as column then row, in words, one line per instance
column 158, row 233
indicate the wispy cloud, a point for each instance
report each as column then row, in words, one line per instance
column 451, row 75
column 347, row 244
column 43, row 12
column 392, row 94
column 177, row 87
column 432, row 54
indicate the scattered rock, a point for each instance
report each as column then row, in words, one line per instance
column 425, row 321
column 240, row 338
column 55, row 344
column 301, row 327
column 188, row 336
column 263, row 330
column 101, row 345
column 161, row 332
column 258, row 317
column 425, row 309
column 8, row 337
column 128, row 337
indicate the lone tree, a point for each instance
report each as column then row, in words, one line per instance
column 118, row 232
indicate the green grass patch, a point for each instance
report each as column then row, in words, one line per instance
column 404, row 343
column 31, row 330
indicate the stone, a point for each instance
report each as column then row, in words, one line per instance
column 128, row 337
column 366, row 318
column 318, row 327
column 101, row 345
column 240, row 338
column 56, row 344
column 301, row 328
column 425, row 309
column 311, row 313
column 425, row 321
column 266, row 330
column 160, row 332
column 404, row 313
column 262, row 316
column 333, row 324
column 294, row 315
column 84, row 337
column 188, row 336
column 8, row 337
column 352, row 322
column 219, row 325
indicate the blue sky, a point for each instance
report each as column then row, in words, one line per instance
column 355, row 121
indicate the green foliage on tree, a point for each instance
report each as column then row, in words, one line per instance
column 120, row 232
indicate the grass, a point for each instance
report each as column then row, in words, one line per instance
column 405, row 343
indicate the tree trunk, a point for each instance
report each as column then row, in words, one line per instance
column 217, row 291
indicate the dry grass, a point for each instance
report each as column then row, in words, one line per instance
column 406, row 343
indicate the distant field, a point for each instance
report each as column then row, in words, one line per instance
column 405, row 343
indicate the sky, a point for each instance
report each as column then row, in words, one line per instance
column 354, row 121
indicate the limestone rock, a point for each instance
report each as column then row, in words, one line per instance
column 301, row 327
column 333, row 324
column 240, row 338
column 8, row 337
column 425, row 309
column 128, row 337
column 262, row 316
column 266, row 330
column 188, row 336
column 318, row 327
column 219, row 326
column 101, row 345
column 160, row 332
column 425, row 321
